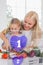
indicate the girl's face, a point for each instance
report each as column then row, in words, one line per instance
column 14, row 28
column 28, row 23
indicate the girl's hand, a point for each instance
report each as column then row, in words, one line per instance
column 6, row 45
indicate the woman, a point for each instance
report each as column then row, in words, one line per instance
column 31, row 25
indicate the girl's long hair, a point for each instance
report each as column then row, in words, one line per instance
column 14, row 21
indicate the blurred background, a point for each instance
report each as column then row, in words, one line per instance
column 19, row 8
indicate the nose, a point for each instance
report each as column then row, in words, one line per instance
column 26, row 24
column 15, row 28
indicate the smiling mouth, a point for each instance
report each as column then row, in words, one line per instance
column 26, row 27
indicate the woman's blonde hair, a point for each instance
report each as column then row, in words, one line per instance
column 36, row 31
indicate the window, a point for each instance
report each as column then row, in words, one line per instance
column 21, row 7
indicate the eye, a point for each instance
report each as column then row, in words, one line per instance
column 11, row 28
column 25, row 21
column 29, row 23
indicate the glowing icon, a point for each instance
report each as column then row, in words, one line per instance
column 18, row 43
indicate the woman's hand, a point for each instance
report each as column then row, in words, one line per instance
column 28, row 48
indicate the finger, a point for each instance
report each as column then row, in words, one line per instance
column 4, row 47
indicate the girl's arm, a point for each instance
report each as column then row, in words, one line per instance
column 3, row 37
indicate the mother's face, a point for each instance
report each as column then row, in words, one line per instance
column 28, row 23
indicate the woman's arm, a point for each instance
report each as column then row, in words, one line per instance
column 3, row 37
column 28, row 48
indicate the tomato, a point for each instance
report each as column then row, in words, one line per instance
column 5, row 56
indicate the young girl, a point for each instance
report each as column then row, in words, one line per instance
column 13, row 29
column 17, row 41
